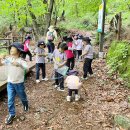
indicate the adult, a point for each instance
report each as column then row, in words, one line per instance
column 50, row 37
column 88, row 57
column 27, row 49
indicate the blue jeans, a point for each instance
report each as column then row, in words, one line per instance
column 12, row 90
column 59, row 80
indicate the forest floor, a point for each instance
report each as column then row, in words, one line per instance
column 102, row 98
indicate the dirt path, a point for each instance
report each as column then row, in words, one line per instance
column 49, row 109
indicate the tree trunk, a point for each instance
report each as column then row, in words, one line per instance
column 35, row 25
column 56, row 14
column 48, row 16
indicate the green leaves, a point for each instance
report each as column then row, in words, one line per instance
column 118, row 59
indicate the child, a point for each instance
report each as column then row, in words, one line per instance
column 75, row 38
column 88, row 55
column 69, row 54
column 40, row 61
column 59, row 59
column 27, row 49
column 16, row 73
column 79, row 47
column 73, row 83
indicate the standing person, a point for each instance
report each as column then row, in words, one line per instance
column 51, row 36
column 88, row 58
column 15, row 85
column 60, row 60
column 73, row 83
column 75, row 38
column 79, row 47
column 69, row 54
column 40, row 61
column 27, row 49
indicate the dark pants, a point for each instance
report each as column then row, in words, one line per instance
column 27, row 53
column 70, row 63
column 42, row 66
column 75, row 53
column 70, row 91
column 59, row 80
column 79, row 53
column 87, row 67
column 50, row 46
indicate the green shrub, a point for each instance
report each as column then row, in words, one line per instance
column 118, row 59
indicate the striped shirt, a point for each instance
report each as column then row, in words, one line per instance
column 39, row 59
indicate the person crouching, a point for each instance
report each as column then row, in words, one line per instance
column 73, row 83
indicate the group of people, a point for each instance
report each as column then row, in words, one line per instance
column 64, row 55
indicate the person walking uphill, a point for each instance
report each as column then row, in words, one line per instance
column 88, row 57
column 15, row 83
column 51, row 36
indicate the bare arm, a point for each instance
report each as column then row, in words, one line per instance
column 61, row 65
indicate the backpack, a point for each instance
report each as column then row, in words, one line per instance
column 50, row 36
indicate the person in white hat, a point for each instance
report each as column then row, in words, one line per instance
column 51, row 36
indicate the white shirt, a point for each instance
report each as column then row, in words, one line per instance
column 79, row 44
column 88, row 48
column 15, row 74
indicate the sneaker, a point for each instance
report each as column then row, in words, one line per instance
column 84, row 78
column 37, row 81
column 68, row 98
column 91, row 75
column 61, row 90
column 9, row 119
column 45, row 79
column 77, row 97
column 25, row 107
column 55, row 86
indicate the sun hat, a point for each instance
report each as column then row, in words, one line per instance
column 18, row 45
column 41, row 42
column 51, row 28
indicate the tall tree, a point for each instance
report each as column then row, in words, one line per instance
column 48, row 15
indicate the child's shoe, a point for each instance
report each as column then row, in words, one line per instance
column 37, row 81
column 61, row 90
column 45, row 79
column 77, row 97
column 9, row 119
column 68, row 98
column 25, row 107
column 55, row 86
column 84, row 78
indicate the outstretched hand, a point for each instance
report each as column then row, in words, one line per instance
column 15, row 63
